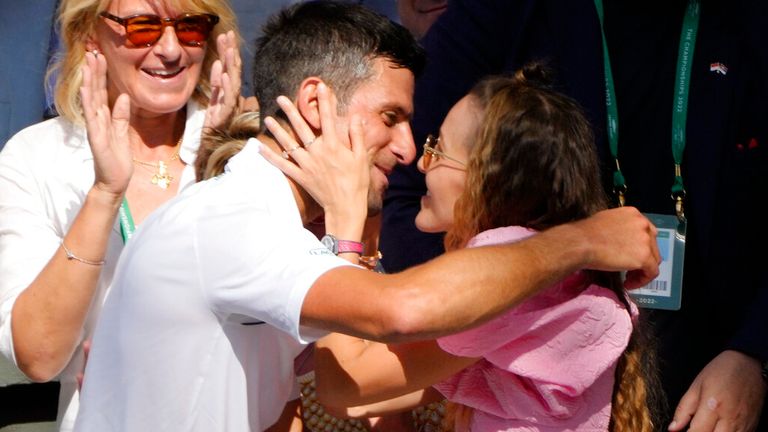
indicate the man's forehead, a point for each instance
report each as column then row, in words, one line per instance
column 390, row 87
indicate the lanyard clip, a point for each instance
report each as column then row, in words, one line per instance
column 678, row 193
column 679, row 207
column 619, row 185
column 620, row 192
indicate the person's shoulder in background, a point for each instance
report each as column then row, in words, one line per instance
column 25, row 44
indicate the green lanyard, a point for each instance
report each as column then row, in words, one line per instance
column 679, row 108
column 126, row 221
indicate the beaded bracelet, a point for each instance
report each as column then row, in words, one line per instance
column 371, row 262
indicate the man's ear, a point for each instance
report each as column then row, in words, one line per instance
column 307, row 103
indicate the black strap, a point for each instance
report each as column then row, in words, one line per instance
column 29, row 403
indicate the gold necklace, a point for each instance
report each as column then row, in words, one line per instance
column 160, row 176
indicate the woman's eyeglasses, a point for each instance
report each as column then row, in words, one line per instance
column 432, row 153
column 146, row 30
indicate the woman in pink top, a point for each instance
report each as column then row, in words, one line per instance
column 513, row 158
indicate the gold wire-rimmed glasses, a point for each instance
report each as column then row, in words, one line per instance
column 432, row 153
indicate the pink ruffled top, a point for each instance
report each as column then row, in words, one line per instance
column 546, row 365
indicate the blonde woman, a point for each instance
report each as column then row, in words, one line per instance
column 133, row 94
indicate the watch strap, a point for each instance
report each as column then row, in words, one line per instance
column 337, row 246
column 349, row 246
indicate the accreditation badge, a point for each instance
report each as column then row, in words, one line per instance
column 666, row 291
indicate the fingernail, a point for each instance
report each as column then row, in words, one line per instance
column 673, row 424
column 321, row 86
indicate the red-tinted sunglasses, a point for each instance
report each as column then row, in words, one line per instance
column 145, row 30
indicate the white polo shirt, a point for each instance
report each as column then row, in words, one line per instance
column 201, row 326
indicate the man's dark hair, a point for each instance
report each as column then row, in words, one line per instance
column 335, row 41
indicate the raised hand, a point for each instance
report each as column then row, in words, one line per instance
column 226, row 80
column 337, row 176
column 107, row 129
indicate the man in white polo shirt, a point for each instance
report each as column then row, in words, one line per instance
column 220, row 289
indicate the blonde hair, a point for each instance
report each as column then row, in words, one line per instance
column 637, row 397
column 217, row 146
column 77, row 20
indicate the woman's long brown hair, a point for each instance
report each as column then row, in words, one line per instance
column 534, row 164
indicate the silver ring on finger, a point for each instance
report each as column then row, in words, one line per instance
column 287, row 153
column 310, row 142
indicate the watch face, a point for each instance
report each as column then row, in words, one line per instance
column 329, row 241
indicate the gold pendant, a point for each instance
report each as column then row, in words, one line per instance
column 161, row 178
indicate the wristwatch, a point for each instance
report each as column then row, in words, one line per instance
column 341, row 246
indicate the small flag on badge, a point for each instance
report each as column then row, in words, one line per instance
column 718, row 68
